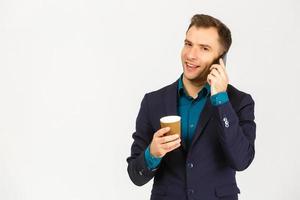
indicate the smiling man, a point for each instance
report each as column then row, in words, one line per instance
column 217, row 124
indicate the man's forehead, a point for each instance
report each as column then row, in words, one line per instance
column 203, row 36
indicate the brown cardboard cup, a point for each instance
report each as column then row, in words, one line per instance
column 173, row 122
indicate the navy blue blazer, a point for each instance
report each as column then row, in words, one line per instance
column 223, row 144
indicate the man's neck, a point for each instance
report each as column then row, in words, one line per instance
column 192, row 87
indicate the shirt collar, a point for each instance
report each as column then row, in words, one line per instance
column 181, row 89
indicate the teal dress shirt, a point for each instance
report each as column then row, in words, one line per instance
column 189, row 109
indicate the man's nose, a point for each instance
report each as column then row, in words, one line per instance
column 192, row 53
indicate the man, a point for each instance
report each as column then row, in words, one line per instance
column 217, row 124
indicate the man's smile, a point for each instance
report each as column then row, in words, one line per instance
column 191, row 66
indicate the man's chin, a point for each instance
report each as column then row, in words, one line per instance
column 195, row 78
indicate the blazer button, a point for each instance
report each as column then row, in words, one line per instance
column 190, row 191
column 190, row 165
column 226, row 122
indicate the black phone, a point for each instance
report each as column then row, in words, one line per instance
column 223, row 56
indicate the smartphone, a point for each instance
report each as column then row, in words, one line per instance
column 223, row 56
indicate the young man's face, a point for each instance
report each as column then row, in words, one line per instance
column 201, row 48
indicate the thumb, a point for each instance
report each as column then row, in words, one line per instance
column 162, row 131
column 208, row 80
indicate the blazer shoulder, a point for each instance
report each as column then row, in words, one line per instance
column 235, row 95
column 162, row 91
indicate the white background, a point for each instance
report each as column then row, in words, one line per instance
column 73, row 74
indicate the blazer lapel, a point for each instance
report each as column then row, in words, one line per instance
column 204, row 118
column 171, row 99
column 171, row 102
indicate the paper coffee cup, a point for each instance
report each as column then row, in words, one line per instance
column 172, row 121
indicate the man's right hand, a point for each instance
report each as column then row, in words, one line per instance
column 161, row 144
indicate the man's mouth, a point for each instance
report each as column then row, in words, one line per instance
column 191, row 66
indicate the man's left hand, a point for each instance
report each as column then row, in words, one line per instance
column 217, row 78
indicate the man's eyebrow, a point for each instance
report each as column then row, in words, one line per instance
column 201, row 45
column 205, row 45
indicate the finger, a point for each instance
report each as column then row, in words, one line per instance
column 215, row 73
column 169, row 138
column 224, row 70
column 216, row 67
column 222, row 67
column 222, row 63
column 162, row 131
column 213, row 66
column 221, row 71
column 173, row 147
column 169, row 145
column 211, row 79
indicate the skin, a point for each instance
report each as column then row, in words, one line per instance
column 201, row 48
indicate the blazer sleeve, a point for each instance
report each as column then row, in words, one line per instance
column 237, row 132
column 137, row 167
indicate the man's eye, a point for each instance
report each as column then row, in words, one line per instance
column 205, row 49
column 187, row 44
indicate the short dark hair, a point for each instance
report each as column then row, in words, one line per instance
column 206, row 21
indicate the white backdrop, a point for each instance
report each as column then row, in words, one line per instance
column 73, row 74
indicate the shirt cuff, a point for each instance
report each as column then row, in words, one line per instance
column 152, row 162
column 219, row 98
